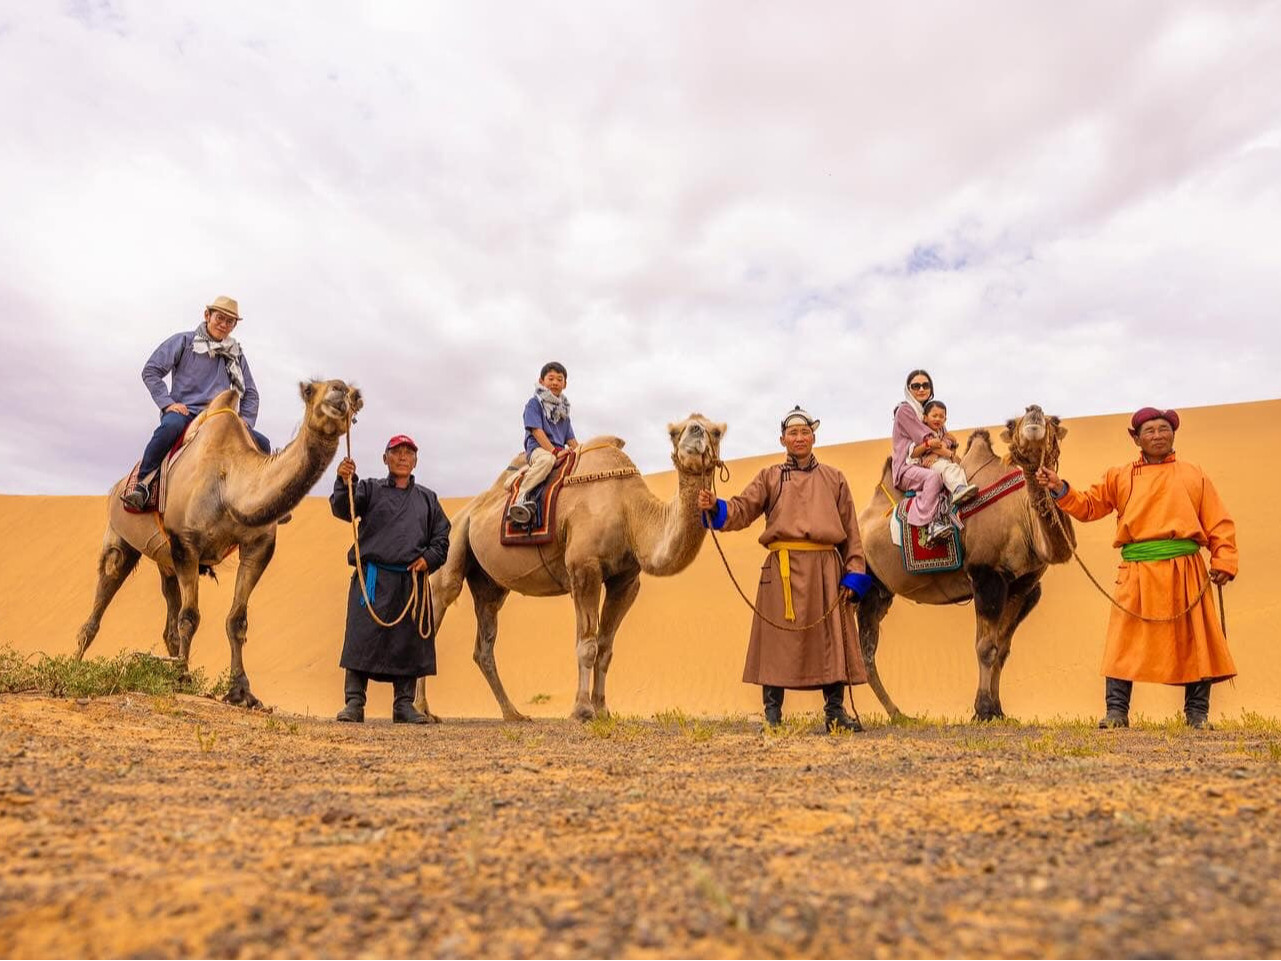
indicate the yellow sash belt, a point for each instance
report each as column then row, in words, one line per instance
column 781, row 548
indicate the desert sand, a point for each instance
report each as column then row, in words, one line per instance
column 682, row 645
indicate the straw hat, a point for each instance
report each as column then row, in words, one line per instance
column 225, row 305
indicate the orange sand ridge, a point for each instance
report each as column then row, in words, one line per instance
column 683, row 643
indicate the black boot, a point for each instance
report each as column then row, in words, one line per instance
column 354, row 689
column 773, row 698
column 1116, row 695
column 1196, row 705
column 402, row 708
column 834, row 709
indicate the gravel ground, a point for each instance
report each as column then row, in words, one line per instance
column 140, row 826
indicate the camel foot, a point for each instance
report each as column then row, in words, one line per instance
column 582, row 712
column 515, row 715
column 239, row 693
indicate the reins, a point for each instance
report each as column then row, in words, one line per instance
column 707, row 516
column 1055, row 512
column 425, row 609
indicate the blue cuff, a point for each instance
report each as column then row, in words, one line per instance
column 1060, row 492
column 858, row 583
column 718, row 518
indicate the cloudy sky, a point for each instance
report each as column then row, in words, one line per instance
column 730, row 207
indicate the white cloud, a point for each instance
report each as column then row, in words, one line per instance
column 725, row 207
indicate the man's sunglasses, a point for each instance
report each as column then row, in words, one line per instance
column 919, row 386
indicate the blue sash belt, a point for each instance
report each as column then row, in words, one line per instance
column 371, row 576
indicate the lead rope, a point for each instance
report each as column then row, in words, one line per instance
column 1055, row 512
column 424, row 609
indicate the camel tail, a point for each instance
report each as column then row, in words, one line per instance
column 447, row 583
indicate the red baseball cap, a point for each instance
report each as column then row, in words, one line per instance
column 402, row 440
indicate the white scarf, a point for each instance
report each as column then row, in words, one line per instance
column 555, row 409
column 228, row 349
column 916, row 404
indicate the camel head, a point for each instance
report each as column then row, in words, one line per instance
column 1034, row 439
column 331, row 405
column 696, row 445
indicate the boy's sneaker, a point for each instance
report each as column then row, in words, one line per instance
column 136, row 496
column 963, row 493
column 520, row 514
column 937, row 531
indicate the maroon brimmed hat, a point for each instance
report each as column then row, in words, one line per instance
column 402, row 440
column 1145, row 414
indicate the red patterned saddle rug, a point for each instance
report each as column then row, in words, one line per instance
column 543, row 529
column 947, row 554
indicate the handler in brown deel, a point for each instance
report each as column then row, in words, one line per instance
column 815, row 566
column 1164, row 629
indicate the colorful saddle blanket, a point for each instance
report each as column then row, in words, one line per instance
column 542, row 529
column 946, row 554
column 157, row 489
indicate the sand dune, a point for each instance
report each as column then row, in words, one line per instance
column 683, row 644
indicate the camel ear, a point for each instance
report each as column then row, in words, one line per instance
column 1007, row 435
column 1059, row 430
column 307, row 388
column 674, row 432
column 718, row 430
column 355, row 399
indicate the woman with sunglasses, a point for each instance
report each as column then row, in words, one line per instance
column 910, row 440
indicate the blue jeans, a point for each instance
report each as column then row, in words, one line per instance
column 171, row 427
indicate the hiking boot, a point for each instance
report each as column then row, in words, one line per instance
column 963, row 493
column 520, row 514
column 407, row 714
column 354, row 712
column 1116, row 695
column 136, row 496
column 1114, row 719
column 834, row 710
column 1199, row 722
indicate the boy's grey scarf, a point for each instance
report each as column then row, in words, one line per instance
column 555, row 409
column 228, row 349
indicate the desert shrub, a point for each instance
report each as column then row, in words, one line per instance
column 64, row 676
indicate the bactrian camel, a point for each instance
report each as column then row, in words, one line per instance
column 608, row 531
column 1007, row 546
column 223, row 495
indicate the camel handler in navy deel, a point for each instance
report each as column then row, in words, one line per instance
column 403, row 535
column 204, row 362
column 815, row 565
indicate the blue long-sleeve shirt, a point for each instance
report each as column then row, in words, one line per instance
column 197, row 378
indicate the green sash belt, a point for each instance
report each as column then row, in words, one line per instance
column 1161, row 550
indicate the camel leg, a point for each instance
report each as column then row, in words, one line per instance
column 1024, row 594
column 872, row 608
column 186, row 564
column 254, row 558
column 620, row 594
column 585, row 586
column 991, row 591
column 488, row 598
column 116, row 562
column 173, row 604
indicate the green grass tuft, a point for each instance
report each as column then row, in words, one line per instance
column 64, row 676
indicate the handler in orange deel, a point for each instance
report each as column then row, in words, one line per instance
column 1167, row 511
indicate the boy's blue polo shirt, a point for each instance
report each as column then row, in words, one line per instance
column 557, row 433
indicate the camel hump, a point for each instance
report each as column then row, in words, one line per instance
column 606, row 440
column 229, row 399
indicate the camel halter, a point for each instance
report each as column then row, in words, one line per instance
column 1056, row 512
column 424, row 606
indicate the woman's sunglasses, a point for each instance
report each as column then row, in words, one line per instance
column 919, row 386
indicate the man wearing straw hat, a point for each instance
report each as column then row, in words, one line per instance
column 403, row 537
column 1163, row 628
column 204, row 362
column 803, row 632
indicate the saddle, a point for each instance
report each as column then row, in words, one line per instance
column 157, row 489
column 542, row 500
column 946, row 554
